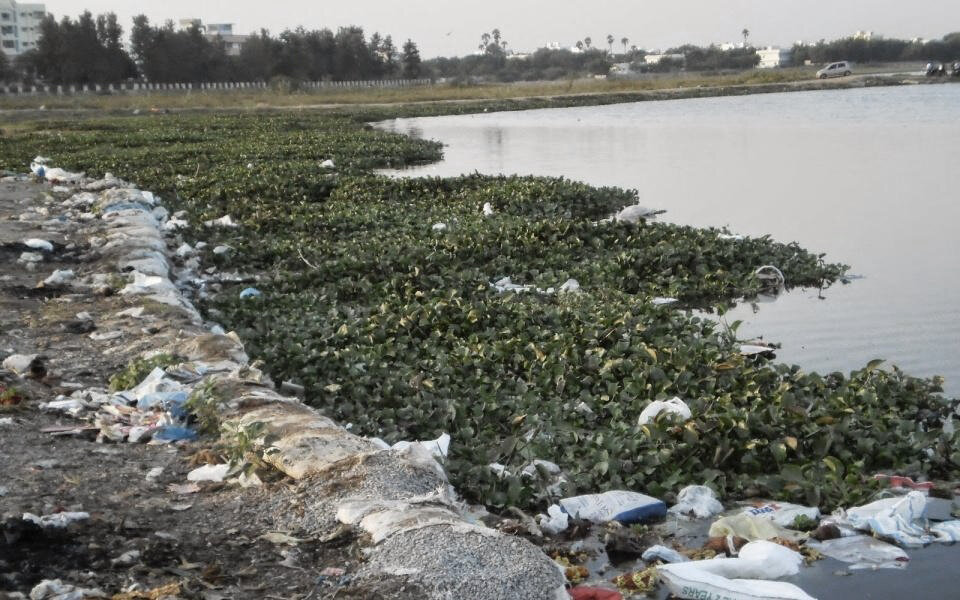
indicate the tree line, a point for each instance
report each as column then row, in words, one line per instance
column 90, row 50
column 880, row 50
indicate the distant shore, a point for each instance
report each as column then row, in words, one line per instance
column 451, row 99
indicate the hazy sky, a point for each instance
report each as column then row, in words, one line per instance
column 448, row 27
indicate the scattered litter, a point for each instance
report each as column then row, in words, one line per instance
column 754, row 349
column 222, row 249
column 865, row 552
column 896, row 518
column 153, row 473
column 784, row 514
column 898, row 482
column 673, row 406
column 698, row 501
column 663, row 553
column 127, row 559
column 20, row 363
column 30, row 257
column 555, row 521
column 6, row 422
column 487, row 209
column 658, row 301
column 328, row 164
column 741, row 578
column 224, row 221
column 622, row 506
column 277, row 537
column 729, row 236
column 632, row 214
column 35, row 244
column 748, row 527
column 333, row 572
column 770, row 277
column 58, row 520
column 438, row 447
column 183, row 489
column 105, row 336
column 439, row 226
column 54, row 589
column 583, row 592
column 946, row 532
column 209, row 473
column 250, row 292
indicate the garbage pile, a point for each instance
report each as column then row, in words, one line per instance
column 752, row 547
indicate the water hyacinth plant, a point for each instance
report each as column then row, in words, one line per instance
column 394, row 325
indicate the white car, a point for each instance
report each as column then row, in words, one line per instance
column 837, row 69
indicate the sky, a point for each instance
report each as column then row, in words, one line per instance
column 448, row 27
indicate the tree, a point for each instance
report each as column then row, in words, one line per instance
column 411, row 60
column 5, row 69
column 579, row 45
column 586, row 42
column 610, row 42
column 624, row 40
column 745, row 33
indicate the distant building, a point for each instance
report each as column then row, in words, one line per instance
column 218, row 31
column 772, row 57
column 19, row 26
column 863, row 35
column 654, row 59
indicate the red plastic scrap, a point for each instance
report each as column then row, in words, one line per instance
column 896, row 481
column 585, row 592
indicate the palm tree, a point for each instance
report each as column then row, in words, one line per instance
column 610, row 42
column 579, row 45
column 484, row 42
column 496, row 36
column 745, row 33
column 624, row 40
column 586, row 42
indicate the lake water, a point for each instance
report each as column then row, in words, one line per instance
column 867, row 176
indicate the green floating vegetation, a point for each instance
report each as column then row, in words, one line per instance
column 393, row 325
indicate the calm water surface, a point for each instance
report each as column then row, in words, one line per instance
column 870, row 177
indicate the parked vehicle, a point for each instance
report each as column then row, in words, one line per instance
column 955, row 72
column 837, row 69
column 935, row 69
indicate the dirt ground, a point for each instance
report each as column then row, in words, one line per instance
column 204, row 544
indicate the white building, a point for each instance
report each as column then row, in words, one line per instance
column 772, row 57
column 655, row 59
column 19, row 26
column 217, row 31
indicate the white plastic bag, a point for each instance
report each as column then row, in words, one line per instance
column 663, row 553
column 783, row 513
column 739, row 578
column 863, row 551
column 674, row 406
column 946, row 532
column 899, row 519
column 698, row 501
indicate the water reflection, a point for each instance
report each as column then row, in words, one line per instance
column 845, row 173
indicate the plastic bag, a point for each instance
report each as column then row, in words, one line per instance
column 896, row 518
column 783, row 513
column 946, row 532
column 698, row 501
column 622, row 506
column 863, row 551
column 674, row 406
column 739, row 578
column 746, row 526
column 663, row 553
